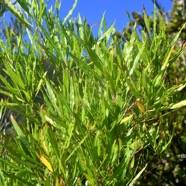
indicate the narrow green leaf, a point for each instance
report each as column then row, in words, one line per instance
column 147, row 22
column 107, row 34
column 71, row 11
column 137, row 176
column 101, row 24
column 137, row 58
column 17, row 128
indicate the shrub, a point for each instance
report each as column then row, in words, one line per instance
column 86, row 110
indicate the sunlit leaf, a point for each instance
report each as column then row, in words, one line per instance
column 46, row 162
column 137, row 176
column 126, row 119
column 178, row 105
column 140, row 105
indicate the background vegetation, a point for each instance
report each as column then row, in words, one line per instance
column 171, row 168
column 80, row 109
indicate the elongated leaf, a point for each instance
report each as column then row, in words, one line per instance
column 137, row 176
column 17, row 14
column 107, row 34
column 137, row 58
column 17, row 128
column 126, row 119
column 71, row 11
column 140, row 105
column 46, row 162
column 179, row 105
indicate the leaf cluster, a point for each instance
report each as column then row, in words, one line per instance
column 92, row 110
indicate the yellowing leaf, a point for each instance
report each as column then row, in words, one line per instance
column 111, row 50
column 126, row 119
column 140, row 106
column 42, row 139
column 180, row 87
column 179, row 105
column 45, row 162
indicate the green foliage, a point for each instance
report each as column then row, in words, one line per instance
column 170, row 169
column 91, row 110
column 177, row 18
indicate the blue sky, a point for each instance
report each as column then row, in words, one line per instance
column 115, row 10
